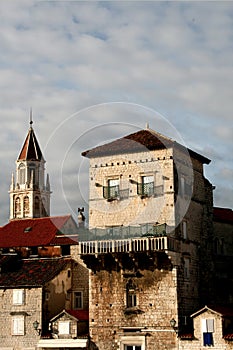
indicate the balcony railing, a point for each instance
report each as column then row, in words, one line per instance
column 114, row 192
column 125, row 232
column 141, row 244
column 149, row 189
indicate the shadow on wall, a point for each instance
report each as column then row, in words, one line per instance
column 91, row 345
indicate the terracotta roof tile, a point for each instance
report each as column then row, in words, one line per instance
column 223, row 215
column 140, row 141
column 82, row 315
column 228, row 336
column 224, row 311
column 31, row 272
column 31, row 149
column 33, row 232
column 186, row 336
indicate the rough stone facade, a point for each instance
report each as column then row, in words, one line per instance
column 168, row 284
column 39, row 304
column 31, row 310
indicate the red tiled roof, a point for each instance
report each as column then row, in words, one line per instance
column 31, row 272
column 33, row 232
column 225, row 311
column 186, row 336
column 223, row 215
column 140, row 141
column 82, row 315
column 31, row 149
column 64, row 240
column 228, row 336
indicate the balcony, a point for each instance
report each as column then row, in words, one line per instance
column 149, row 189
column 113, row 192
column 140, row 244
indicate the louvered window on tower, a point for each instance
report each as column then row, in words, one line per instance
column 21, row 174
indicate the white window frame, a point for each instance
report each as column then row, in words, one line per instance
column 64, row 327
column 18, row 296
column 81, row 299
column 207, row 325
column 134, row 340
column 18, row 325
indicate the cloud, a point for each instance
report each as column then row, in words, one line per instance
column 61, row 57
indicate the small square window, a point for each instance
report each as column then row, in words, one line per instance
column 18, row 325
column 64, row 327
column 18, row 296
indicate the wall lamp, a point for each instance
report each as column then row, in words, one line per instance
column 36, row 327
column 173, row 325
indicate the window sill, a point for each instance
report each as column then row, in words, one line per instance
column 134, row 310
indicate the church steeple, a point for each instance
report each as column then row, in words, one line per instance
column 29, row 195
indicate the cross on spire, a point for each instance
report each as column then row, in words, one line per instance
column 31, row 122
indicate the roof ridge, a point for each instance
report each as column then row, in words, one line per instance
column 156, row 133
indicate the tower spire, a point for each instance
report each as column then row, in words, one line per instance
column 29, row 195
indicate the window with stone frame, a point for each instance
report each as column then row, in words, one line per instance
column 37, row 205
column 112, row 190
column 132, row 347
column 131, row 296
column 146, row 187
column 21, row 174
column 78, row 300
column 32, row 173
column 17, row 206
column 26, row 206
column 184, row 229
column 186, row 267
column 18, row 325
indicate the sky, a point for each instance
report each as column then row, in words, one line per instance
column 94, row 71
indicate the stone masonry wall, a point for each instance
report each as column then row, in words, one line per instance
column 80, row 277
column 131, row 210
column 156, row 306
column 32, row 311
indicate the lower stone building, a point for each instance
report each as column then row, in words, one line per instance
column 32, row 292
column 213, row 327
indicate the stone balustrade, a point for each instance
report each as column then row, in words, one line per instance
column 140, row 244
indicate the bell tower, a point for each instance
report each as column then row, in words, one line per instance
column 29, row 192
